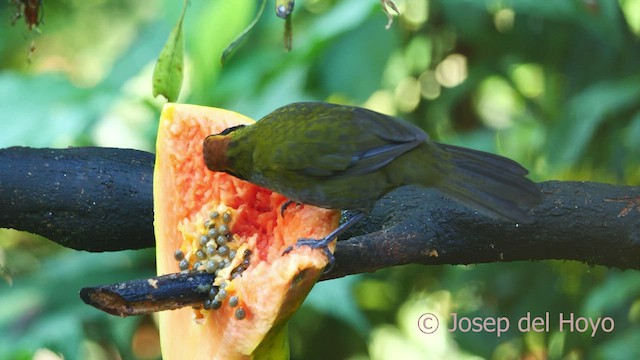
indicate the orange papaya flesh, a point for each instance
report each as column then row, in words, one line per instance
column 220, row 224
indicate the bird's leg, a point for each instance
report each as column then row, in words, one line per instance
column 286, row 205
column 324, row 242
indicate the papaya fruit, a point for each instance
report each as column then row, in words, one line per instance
column 214, row 222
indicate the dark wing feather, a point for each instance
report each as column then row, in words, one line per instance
column 375, row 158
column 361, row 141
column 387, row 127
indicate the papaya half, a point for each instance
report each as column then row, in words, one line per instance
column 214, row 222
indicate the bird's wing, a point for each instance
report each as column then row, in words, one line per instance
column 356, row 143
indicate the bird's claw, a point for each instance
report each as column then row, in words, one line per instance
column 287, row 250
column 324, row 242
column 285, row 206
column 315, row 244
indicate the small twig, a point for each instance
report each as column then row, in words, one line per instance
column 392, row 5
column 145, row 296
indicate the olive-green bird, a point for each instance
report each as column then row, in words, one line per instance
column 345, row 157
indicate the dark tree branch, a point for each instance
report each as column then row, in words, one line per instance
column 94, row 199
column 576, row 222
column 100, row 199
column 146, row 296
column 589, row 222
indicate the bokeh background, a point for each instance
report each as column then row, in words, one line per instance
column 554, row 85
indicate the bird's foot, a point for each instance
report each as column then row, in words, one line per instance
column 324, row 242
column 316, row 244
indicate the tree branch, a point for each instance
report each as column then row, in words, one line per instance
column 588, row 222
column 100, row 199
column 94, row 199
column 146, row 296
column 585, row 221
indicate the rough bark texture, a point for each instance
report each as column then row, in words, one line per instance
column 100, row 199
column 146, row 296
column 589, row 222
column 94, row 199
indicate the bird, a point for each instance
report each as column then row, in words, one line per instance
column 346, row 157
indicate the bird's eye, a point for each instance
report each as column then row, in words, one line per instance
column 231, row 129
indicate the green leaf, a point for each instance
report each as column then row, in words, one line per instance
column 60, row 116
column 586, row 112
column 357, row 54
column 632, row 133
column 43, row 310
column 234, row 44
column 168, row 73
column 620, row 346
column 342, row 305
column 620, row 289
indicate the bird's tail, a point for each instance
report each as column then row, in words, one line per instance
column 491, row 184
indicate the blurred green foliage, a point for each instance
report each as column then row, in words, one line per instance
column 554, row 85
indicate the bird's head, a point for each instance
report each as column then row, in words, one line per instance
column 215, row 149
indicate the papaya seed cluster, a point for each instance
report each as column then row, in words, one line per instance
column 215, row 251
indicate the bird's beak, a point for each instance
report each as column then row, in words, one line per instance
column 214, row 151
